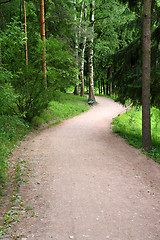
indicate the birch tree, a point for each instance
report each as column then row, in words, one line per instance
column 83, row 51
column 91, row 81
column 76, row 90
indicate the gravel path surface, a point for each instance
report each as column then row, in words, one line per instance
column 89, row 183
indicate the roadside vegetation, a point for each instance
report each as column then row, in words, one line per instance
column 64, row 106
column 13, row 129
column 129, row 126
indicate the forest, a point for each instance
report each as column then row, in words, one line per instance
column 49, row 47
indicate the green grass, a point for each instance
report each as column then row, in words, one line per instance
column 129, row 126
column 12, row 129
column 64, row 106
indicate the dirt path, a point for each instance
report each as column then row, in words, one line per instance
column 89, row 183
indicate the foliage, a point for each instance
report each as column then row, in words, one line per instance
column 129, row 126
column 12, row 130
column 112, row 34
column 7, row 96
column 60, row 64
column 63, row 106
column 128, row 62
column 12, row 44
column 28, row 83
column 59, row 19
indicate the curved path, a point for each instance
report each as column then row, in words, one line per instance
column 89, row 183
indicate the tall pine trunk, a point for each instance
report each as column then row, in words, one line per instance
column 42, row 24
column 91, row 80
column 146, row 68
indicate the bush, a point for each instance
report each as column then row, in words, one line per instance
column 12, row 129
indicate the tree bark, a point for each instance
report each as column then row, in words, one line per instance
column 110, row 76
column 80, row 21
column 107, row 87
column 91, row 80
column 42, row 23
column 76, row 90
column 146, row 65
column 99, row 87
column 83, row 52
column 103, row 86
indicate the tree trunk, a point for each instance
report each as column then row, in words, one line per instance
column 83, row 51
column 146, row 58
column 80, row 21
column 76, row 90
column 103, row 86
column 42, row 23
column 91, row 80
column 25, row 29
column 99, row 87
column 107, row 87
column 110, row 76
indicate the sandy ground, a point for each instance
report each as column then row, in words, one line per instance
column 89, row 184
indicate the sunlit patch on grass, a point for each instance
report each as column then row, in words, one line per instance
column 129, row 126
column 63, row 106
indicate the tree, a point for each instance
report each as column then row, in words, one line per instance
column 76, row 90
column 91, row 80
column 83, row 50
column 146, row 68
column 43, row 36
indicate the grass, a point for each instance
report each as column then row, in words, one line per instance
column 12, row 129
column 129, row 126
column 64, row 106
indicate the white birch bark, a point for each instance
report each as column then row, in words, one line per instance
column 91, row 80
column 76, row 91
column 83, row 51
column 80, row 20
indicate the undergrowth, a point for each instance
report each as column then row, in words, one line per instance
column 12, row 129
column 63, row 106
column 129, row 126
